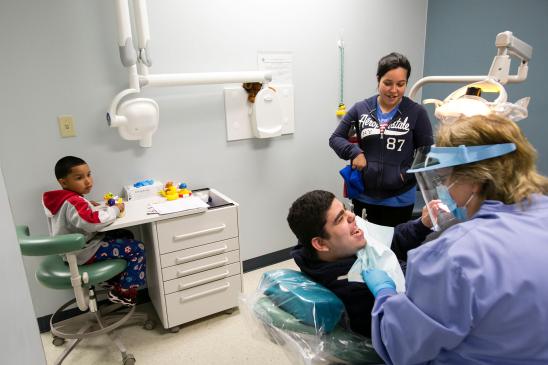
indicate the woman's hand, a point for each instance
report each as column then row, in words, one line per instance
column 359, row 162
column 378, row 280
column 434, row 206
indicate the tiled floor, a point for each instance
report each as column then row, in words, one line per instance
column 218, row 339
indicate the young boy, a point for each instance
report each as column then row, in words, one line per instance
column 69, row 212
column 329, row 239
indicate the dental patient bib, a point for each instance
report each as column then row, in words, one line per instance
column 377, row 254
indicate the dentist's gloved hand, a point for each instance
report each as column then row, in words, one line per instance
column 377, row 280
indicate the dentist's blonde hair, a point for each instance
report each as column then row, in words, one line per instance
column 509, row 178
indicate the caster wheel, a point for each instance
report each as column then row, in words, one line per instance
column 58, row 341
column 149, row 324
column 128, row 359
column 174, row 329
column 230, row 311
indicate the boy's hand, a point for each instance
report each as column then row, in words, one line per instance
column 94, row 203
column 121, row 206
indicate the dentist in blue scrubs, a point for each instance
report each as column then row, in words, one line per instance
column 477, row 293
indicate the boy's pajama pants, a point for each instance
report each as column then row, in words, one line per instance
column 116, row 246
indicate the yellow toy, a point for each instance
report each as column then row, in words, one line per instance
column 184, row 191
column 170, row 192
column 111, row 199
column 341, row 111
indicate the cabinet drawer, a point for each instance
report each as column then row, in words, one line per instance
column 203, row 300
column 197, row 229
column 200, row 252
column 201, row 278
column 208, row 263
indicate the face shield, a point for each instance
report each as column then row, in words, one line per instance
column 433, row 169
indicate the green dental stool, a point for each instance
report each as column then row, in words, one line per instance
column 53, row 272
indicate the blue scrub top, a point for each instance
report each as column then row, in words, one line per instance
column 475, row 295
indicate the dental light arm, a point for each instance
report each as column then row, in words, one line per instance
column 508, row 45
column 507, row 42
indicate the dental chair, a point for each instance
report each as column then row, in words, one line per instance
column 53, row 272
column 307, row 320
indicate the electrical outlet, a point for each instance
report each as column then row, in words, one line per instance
column 66, row 126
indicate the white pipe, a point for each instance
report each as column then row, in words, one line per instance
column 205, row 78
column 125, row 42
column 113, row 119
column 124, row 23
column 141, row 23
column 134, row 82
column 521, row 76
column 143, row 35
column 76, row 282
column 442, row 80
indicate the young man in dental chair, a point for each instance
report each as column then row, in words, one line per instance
column 328, row 241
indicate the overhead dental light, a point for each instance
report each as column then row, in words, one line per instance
column 467, row 100
column 138, row 119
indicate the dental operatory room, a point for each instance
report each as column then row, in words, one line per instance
column 274, row 182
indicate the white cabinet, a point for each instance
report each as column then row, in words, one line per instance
column 193, row 263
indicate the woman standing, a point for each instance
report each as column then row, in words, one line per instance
column 389, row 127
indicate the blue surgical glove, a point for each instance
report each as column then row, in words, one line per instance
column 377, row 280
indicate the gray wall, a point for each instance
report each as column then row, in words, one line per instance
column 60, row 57
column 21, row 343
column 460, row 40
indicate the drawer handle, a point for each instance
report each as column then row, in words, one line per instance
column 203, row 281
column 199, row 233
column 202, row 268
column 207, row 292
column 180, row 260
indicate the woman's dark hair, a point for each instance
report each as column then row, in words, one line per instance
column 65, row 164
column 392, row 61
column 307, row 217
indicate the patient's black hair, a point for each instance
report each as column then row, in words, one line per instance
column 307, row 217
column 65, row 164
column 392, row 61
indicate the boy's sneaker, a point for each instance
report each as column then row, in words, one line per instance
column 116, row 297
column 106, row 286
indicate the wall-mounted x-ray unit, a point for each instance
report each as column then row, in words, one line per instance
column 138, row 118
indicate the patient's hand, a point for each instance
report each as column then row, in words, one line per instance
column 434, row 206
column 94, row 203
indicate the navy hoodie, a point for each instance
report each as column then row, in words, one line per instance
column 389, row 154
column 356, row 297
